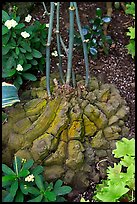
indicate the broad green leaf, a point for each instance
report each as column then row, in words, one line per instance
column 114, row 173
column 63, row 190
column 58, row 184
column 14, row 188
column 10, row 63
column 37, row 170
column 39, row 182
column 6, row 180
column 22, row 50
column 127, row 160
column 7, row 170
column 36, row 53
column 29, row 56
column 37, row 199
column 5, row 38
column 24, row 188
column 23, row 173
column 98, row 12
column 124, row 147
column 51, row 196
column 131, row 32
column 130, row 8
column 25, row 46
column 8, row 73
column 19, row 197
column 20, row 26
column 131, row 48
column 29, row 76
column 5, row 16
column 17, row 50
column 5, row 49
column 26, row 67
column 34, row 62
column 8, row 198
column 33, row 190
column 4, row 30
column 28, row 164
column 19, row 79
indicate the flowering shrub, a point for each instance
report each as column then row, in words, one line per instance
column 23, row 48
column 25, row 183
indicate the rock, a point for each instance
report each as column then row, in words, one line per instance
column 52, row 173
column 75, row 131
column 112, row 132
column 89, row 126
column 99, row 141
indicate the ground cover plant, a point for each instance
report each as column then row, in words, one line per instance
column 26, row 183
column 69, row 128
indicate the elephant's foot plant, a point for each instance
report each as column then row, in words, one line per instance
column 25, row 183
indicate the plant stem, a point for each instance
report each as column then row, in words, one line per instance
column 46, row 12
column 58, row 44
column 64, row 46
column 52, row 7
column 84, row 44
column 71, row 42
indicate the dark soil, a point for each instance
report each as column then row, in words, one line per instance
column 117, row 67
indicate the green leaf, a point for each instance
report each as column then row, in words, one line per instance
column 25, row 46
column 10, row 63
column 17, row 164
column 37, row 170
column 131, row 32
column 130, row 8
column 34, row 62
column 63, row 190
column 5, row 38
column 6, row 180
column 98, row 12
column 22, row 50
column 24, row 188
column 23, row 173
column 51, row 196
column 19, row 197
column 39, row 182
column 5, row 16
column 131, row 48
column 26, row 67
column 20, row 26
column 127, row 161
column 29, row 56
column 14, row 188
column 28, row 164
column 8, row 198
column 7, row 170
column 114, row 173
column 5, row 50
column 33, row 190
column 4, row 30
column 58, row 184
column 124, row 147
column 8, row 73
column 29, row 76
column 37, row 199
column 36, row 53
column 17, row 50
column 19, row 79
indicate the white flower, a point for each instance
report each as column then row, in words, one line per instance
column 28, row 18
column 10, row 24
column 19, row 68
column 47, row 25
column 30, row 178
column 25, row 34
column 55, row 54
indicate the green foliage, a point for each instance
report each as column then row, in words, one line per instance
column 26, row 183
column 119, row 182
column 24, row 49
column 94, row 35
column 130, row 9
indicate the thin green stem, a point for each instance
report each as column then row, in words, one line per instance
column 63, row 45
column 58, row 43
column 46, row 11
column 52, row 7
column 71, row 42
column 84, row 45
